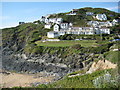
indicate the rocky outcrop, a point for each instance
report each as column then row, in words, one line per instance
column 54, row 64
column 101, row 65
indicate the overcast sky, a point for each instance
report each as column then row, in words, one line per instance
column 14, row 12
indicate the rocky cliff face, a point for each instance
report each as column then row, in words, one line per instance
column 101, row 65
column 53, row 64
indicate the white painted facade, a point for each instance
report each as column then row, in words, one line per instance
column 77, row 30
column 56, row 27
column 52, row 34
column 105, row 30
column 71, row 14
column 100, row 24
column 48, row 26
column 48, row 20
column 101, row 17
column 52, row 20
column 42, row 19
column 115, row 21
column 64, row 25
column 108, row 23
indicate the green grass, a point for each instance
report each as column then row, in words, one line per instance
column 84, row 81
column 112, row 56
column 85, row 43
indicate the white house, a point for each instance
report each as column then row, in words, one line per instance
column 115, row 21
column 48, row 26
column 71, row 14
column 102, row 30
column 70, row 24
column 101, row 24
column 42, row 19
column 46, row 20
column 52, row 20
column 93, row 23
column 109, row 24
column 52, row 34
column 101, row 17
column 88, row 30
column 105, row 30
column 56, row 27
column 97, row 31
column 64, row 26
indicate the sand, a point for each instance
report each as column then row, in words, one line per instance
column 24, row 80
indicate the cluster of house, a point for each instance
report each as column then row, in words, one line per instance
column 51, row 20
column 101, row 24
column 62, row 28
column 67, row 28
column 97, row 16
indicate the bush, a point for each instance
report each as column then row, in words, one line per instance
column 105, row 81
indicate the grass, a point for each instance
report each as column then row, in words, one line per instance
column 85, row 43
column 112, row 56
column 84, row 81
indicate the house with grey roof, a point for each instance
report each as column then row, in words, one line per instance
column 101, row 17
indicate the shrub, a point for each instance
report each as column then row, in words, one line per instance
column 105, row 81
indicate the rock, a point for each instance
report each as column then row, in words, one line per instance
column 21, row 62
column 101, row 65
